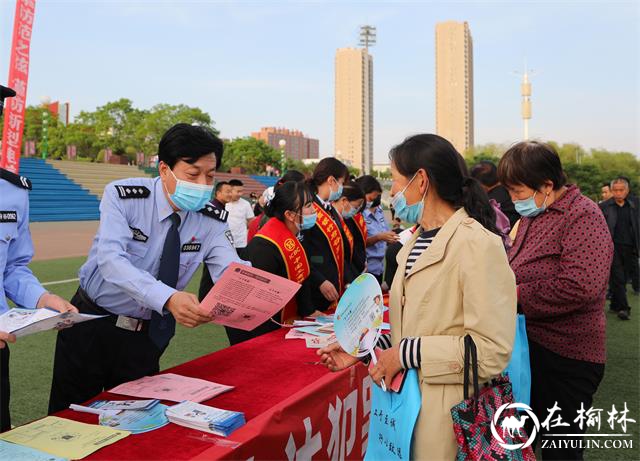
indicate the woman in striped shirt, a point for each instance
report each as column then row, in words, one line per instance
column 453, row 280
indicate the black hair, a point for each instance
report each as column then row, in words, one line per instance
column 486, row 172
column 188, row 143
column 369, row 184
column 290, row 175
column 352, row 192
column 327, row 167
column 606, row 184
column 447, row 173
column 290, row 196
column 236, row 182
column 531, row 163
column 220, row 185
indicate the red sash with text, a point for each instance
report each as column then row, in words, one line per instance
column 294, row 256
column 349, row 235
column 331, row 232
column 362, row 227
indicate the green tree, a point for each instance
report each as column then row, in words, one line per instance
column 161, row 117
column 250, row 154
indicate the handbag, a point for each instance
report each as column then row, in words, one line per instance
column 519, row 368
column 473, row 417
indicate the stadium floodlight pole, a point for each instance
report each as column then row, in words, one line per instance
column 367, row 36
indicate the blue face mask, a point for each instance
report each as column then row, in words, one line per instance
column 308, row 221
column 333, row 196
column 369, row 205
column 349, row 214
column 189, row 196
column 528, row 208
column 408, row 213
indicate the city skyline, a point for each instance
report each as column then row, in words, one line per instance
column 271, row 64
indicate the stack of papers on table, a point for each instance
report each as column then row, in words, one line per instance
column 203, row 418
column 170, row 386
column 135, row 418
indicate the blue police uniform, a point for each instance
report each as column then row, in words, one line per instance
column 17, row 282
column 120, row 280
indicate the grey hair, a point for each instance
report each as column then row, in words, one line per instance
column 624, row 181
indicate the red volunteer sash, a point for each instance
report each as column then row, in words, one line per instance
column 348, row 234
column 331, row 232
column 362, row 227
column 294, row 256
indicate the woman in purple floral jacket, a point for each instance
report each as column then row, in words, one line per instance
column 561, row 258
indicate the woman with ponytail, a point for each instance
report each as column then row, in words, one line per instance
column 276, row 249
column 453, row 280
column 324, row 242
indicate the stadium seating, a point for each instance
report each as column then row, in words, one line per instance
column 54, row 196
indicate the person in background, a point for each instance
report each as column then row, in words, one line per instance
column 486, row 173
column 561, row 258
column 240, row 213
column 349, row 206
column 622, row 216
column 324, row 241
column 276, row 249
column 605, row 192
column 222, row 196
column 453, row 281
column 378, row 232
column 260, row 220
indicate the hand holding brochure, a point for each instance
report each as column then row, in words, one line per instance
column 24, row 322
column 203, row 418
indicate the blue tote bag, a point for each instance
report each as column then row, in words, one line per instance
column 519, row 368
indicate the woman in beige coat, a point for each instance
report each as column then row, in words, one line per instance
column 453, row 280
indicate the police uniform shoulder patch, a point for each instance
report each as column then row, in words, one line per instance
column 132, row 191
column 15, row 179
column 215, row 213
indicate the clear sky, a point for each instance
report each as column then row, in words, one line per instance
column 268, row 63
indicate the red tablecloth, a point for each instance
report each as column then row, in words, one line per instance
column 290, row 406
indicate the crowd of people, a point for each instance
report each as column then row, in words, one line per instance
column 478, row 247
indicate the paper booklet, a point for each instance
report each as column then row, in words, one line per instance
column 204, row 418
column 24, row 322
column 170, row 386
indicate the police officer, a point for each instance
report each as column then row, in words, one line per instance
column 153, row 235
column 16, row 280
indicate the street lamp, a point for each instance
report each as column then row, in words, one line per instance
column 282, row 143
column 46, row 100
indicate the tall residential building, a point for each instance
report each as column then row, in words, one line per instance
column 354, row 108
column 297, row 146
column 454, row 84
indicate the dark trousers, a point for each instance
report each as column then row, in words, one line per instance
column 624, row 265
column 378, row 277
column 97, row 355
column 5, row 417
column 568, row 382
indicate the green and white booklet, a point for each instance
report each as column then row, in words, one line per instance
column 24, row 322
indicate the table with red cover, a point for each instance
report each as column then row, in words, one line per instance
column 294, row 409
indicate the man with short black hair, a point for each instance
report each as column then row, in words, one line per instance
column 486, row 173
column 605, row 192
column 153, row 235
column 623, row 220
column 222, row 195
column 240, row 213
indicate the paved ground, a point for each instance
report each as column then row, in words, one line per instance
column 55, row 240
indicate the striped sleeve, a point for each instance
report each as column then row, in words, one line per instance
column 410, row 353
